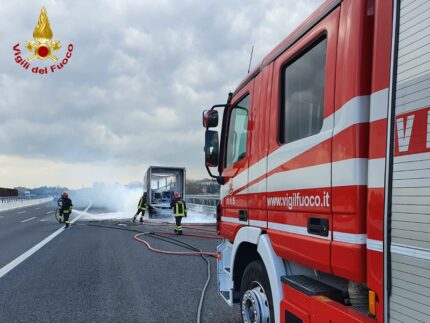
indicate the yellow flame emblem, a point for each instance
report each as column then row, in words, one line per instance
column 43, row 31
column 43, row 47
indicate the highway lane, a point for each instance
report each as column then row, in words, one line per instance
column 22, row 228
column 92, row 274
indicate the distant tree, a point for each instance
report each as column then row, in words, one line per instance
column 213, row 189
column 202, row 186
column 47, row 191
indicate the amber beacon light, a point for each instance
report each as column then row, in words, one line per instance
column 372, row 303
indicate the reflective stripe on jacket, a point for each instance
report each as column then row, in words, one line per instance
column 142, row 204
column 179, row 208
column 65, row 204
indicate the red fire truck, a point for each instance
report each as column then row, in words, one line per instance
column 324, row 161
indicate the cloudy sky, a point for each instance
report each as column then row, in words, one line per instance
column 132, row 93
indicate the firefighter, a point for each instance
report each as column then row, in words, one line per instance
column 142, row 206
column 65, row 205
column 179, row 211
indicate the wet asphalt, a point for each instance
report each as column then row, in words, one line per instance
column 90, row 273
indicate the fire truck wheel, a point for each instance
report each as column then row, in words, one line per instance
column 255, row 295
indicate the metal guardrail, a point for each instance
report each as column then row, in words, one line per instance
column 11, row 202
column 208, row 199
column 202, row 209
column 205, row 204
column 7, row 199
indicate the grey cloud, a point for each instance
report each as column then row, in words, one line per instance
column 140, row 74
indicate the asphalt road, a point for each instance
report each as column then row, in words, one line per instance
column 95, row 274
column 22, row 228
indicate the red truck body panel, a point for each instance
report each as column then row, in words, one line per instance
column 336, row 176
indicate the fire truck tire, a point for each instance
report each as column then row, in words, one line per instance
column 256, row 302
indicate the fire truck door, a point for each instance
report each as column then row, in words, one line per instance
column 237, row 154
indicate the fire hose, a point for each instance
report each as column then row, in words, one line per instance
column 164, row 236
column 192, row 227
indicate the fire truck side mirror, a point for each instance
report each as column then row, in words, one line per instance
column 210, row 118
column 211, row 148
column 221, row 180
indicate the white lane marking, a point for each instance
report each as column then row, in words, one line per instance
column 37, row 208
column 28, row 219
column 20, row 212
column 49, row 212
column 28, row 253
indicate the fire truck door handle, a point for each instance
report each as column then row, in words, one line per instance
column 318, row 226
column 243, row 215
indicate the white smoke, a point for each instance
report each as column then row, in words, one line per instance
column 119, row 202
column 107, row 198
column 192, row 217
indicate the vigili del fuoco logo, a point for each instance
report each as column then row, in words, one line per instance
column 42, row 48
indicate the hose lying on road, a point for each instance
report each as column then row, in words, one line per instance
column 168, row 252
column 164, row 236
column 192, row 227
column 198, row 252
column 147, row 221
column 204, row 236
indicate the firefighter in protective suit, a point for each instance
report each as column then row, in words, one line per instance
column 142, row 206
column 65, row 205
column 179, row 211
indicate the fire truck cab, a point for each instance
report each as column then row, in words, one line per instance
column 324, row 161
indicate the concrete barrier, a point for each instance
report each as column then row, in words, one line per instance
column 9, row 203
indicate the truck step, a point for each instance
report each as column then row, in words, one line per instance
column 312, row 287
column 226, row 295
